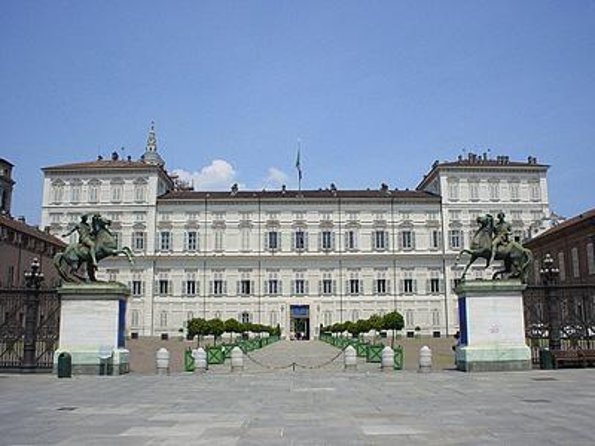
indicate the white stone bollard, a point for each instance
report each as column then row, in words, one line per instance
column 200, row 360
column 425, row 359
column 237, row 359
column 162, row 357
column 349, row 358
column 387, row 361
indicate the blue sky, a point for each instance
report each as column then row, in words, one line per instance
column 376, row 90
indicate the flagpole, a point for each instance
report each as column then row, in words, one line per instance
column 298, row 164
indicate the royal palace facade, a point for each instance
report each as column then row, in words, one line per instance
column 294, row 258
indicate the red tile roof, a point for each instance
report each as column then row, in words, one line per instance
column 31, row 231
column 103, row 164
column 293, row 194
column 568, row 224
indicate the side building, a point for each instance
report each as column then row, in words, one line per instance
column 20, row 243
column 299, row 259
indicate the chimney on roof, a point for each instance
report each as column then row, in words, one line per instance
column 115, row 156
column 99, row 157
column 22, row 219
column 384, row 187
column 485, row 156
column 283, row 189
column 129, row 158
column 333, row 187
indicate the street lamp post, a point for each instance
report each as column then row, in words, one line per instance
column 33, row 279
column 549, row 276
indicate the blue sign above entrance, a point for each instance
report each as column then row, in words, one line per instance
column 300, row 310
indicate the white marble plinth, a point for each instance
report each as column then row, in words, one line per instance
column 492, row 327
column 92, row 319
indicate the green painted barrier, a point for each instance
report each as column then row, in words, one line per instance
column 215, row 355
column 374, row 353
column 361, row 349
column 188, row 361
column 398, row 357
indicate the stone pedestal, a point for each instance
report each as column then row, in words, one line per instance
column 93, row 327
column 492, row 327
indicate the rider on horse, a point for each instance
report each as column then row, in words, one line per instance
column 86, row 236
column 502, row 233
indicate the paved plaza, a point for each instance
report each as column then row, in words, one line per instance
column 308, row 406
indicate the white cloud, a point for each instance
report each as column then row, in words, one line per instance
column 216, row 176
column 275, row 177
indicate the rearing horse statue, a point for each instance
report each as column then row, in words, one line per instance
column 95, row 243
column 488, row 245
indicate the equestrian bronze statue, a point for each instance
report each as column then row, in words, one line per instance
column 95, row 243
column 493, row 241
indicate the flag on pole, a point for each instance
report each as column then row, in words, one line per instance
column 298, row 165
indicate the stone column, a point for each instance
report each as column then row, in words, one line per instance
column 492, row 326
column 93, row 327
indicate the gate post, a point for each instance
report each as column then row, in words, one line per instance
column 33, row 281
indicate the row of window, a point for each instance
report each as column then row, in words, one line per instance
column 93, row 190
column 494, row 190
column 273, row 317
column 300, row 242
column 299, row 287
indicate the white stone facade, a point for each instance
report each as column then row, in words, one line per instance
column 254, row 255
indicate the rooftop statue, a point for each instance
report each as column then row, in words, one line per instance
column 95, row 243
column 493, row 241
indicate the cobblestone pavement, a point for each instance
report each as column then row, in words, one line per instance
column 324, row 406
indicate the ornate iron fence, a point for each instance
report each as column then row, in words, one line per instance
column 560, row 314
column 29, row 328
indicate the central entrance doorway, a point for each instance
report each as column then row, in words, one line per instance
column 299, row 322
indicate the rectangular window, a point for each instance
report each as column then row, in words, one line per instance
column 191, row 287
column 75, row 195
column 218, row 287
column 140, row 192
column 273, row 286
column 474, row 190
column 164, row 287
column 164, row 241
column 354, row 286
column 327, row 286
column 562, row 266
column 535, row 191
column 93, row 193
column 380, row 240
column 326, row 240
column 407, row 240
column 138, row 241
column 218, row 240
column 245, row 318
column 514, row 191
column 435, row 239
column 300, row 286
column 272, row 240
column 455, row 238
column 351, row 240
column 408, row 285
column 245, row 239
column 453, row 190
column 191, row 241
column 381, row 286
column 575, row 264
column 434, row 285
column 590, row 258
column 494, row 190
column 117, row 192
column 137, row 288
column 300, row 240
column 245, row 287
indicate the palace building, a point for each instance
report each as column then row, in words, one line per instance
column 294, row 258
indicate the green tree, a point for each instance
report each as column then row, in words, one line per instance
column 393, row 321
column 197, row 327
column 216, row 328
column 232, row 326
